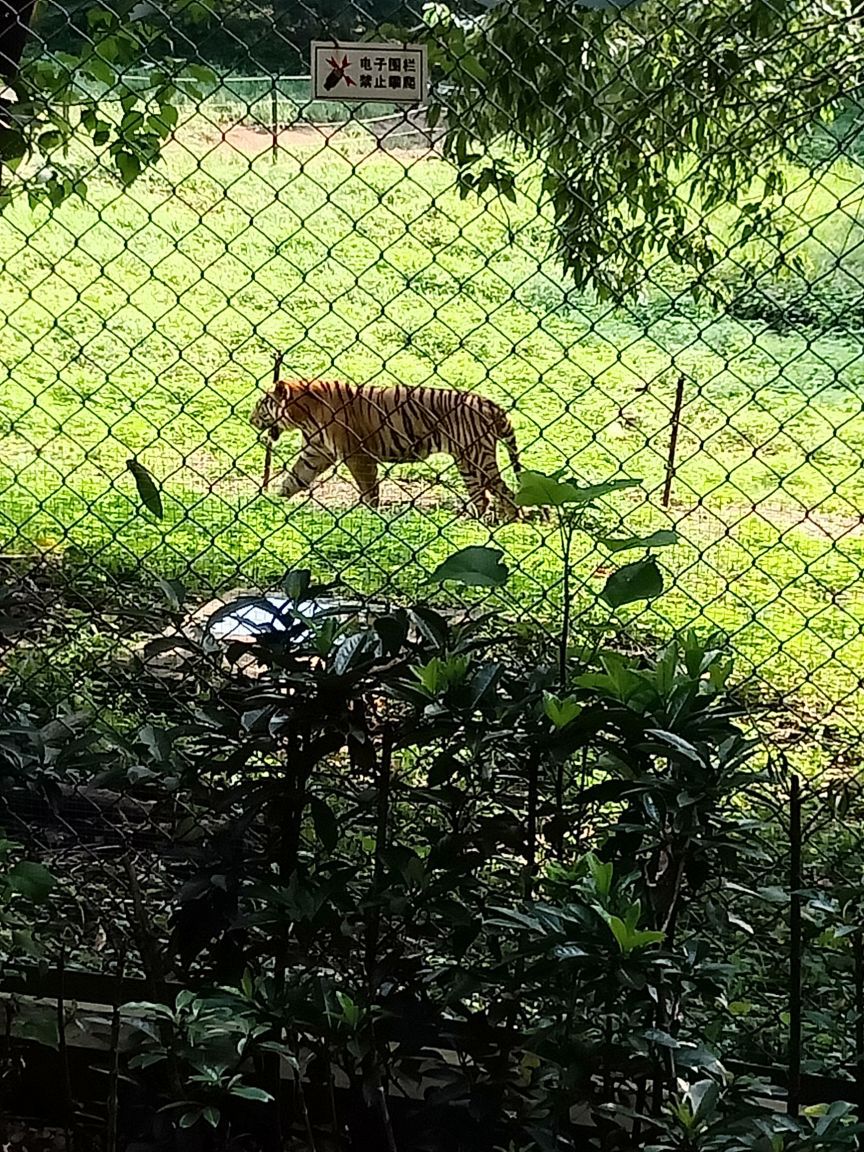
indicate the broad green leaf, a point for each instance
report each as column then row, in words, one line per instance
column 560, row 711
column 30, row 879
column 661, row 539
column 246, row 1092
column 200, row 73
column 629, row 939
column 701, row 1099
column 538, row 490
column 684, row 747
column 740, row 1007
column 99, row 69
column 325, row 822
column 587, row 493
column 601, row 873
column 439, row 675
column 568, row 952
column 173, row 591
column 353, row 650
column 147, row 1059
column 128, row 165
column 658, row 1036
column 13, row 145
column 476, row 566
column 24, row 941
column 296, row 583
column 148, row 493
column 641, row 580
column 351, row 1011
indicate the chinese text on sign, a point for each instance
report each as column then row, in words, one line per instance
column 393, row 73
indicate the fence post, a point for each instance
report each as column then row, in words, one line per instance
column 794, row 1057
column 858, row 954
column 673, row 441
column 274, row 121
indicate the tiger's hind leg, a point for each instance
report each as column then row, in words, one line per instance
column 364, row 469
column 499, row 502
column 476, row 488
column 490, row 497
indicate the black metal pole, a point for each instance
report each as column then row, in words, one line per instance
column 795, row 948
column 673, row 441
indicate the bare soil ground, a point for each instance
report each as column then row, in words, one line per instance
column 393, row 135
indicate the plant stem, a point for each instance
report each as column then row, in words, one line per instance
column 531, row 830
column 795, row 1005
column 63, row 1053
column 114, row 1072
column 566, row 532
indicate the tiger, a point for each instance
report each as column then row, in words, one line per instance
column 364, row 426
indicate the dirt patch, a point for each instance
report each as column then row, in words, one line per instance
column 337, row 492
column 202, row 473
column 391, row 135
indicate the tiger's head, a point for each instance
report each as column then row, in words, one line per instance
column 277, row 410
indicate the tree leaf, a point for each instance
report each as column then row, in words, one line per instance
column 587, row 493
column 173, row 591
column 684, row 747
column 641, row 580
column 353, row 650
column 296, row 583
column 477, row 566
column 630, row 939
column 561, row 711
column 13, row 145
column 148, row 493
column 129, row 167
column 702, row 1098
column 247, row 1092
column 30, row 879
column 538, row 490
column 661, row 539
column 568, row 952
column 601, row 873
column 211, row 1115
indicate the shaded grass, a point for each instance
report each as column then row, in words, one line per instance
column 144, row 322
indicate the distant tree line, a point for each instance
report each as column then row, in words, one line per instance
column 238, row 36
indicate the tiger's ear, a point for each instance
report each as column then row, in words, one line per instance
column 280, row 388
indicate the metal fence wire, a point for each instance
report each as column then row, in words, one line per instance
column 140, row 322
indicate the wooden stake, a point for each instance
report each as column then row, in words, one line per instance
column 673, row 441
column 268, row 447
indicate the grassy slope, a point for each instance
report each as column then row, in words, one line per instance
column 144, row 322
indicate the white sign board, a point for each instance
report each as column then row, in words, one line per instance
column 392, row 73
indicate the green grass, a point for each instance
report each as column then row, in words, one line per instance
column 144, row 323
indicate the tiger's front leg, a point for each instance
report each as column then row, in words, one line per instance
column 310, row 464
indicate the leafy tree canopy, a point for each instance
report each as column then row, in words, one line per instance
column 644, row 120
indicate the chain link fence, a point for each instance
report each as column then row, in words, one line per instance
column 140, row 322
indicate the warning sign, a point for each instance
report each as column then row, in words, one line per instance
column 392, row 73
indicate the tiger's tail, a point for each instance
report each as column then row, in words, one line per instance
column 508, row 438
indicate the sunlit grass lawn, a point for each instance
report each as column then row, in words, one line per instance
column 142, row 324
